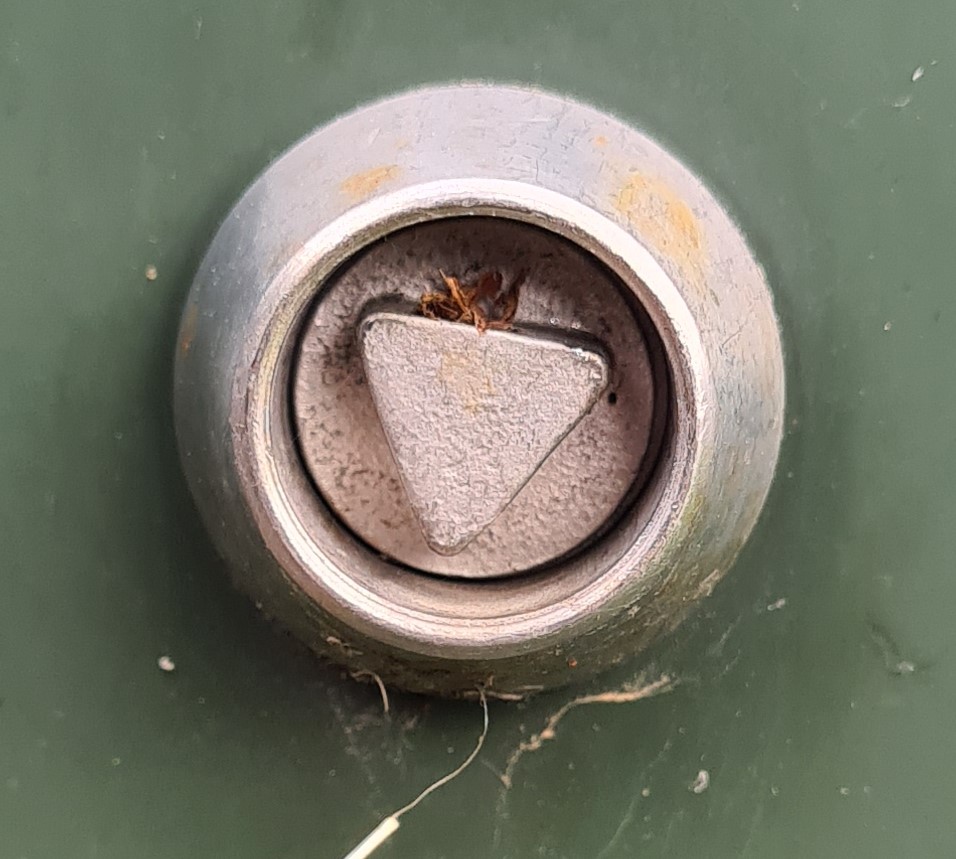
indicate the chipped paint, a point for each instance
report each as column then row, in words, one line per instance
column 662, row 219
column 361, row 185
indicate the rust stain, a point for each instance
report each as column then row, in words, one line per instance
column 361, row 185
column 664, row 221
column 188, row 328
column 600, row 141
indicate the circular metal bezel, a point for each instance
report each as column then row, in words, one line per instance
column 578, row 490
column 542, row 160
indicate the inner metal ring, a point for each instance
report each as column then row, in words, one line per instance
column 580, row 488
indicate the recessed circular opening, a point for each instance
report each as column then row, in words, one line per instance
column 609, row 462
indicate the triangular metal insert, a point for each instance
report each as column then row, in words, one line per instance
column 469, row 416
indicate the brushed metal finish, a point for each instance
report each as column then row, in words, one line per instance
column 520, row 155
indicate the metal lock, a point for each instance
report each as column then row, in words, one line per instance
column 478, row 385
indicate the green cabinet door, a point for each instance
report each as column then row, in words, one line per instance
column 815, row 687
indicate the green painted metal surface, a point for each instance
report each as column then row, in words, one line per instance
column 127, row 129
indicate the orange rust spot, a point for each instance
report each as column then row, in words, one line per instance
column 363, row 184
column 664, row 221
column 188, row 328
column 600, row 141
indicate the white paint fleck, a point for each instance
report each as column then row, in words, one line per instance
column 646, row 792
column 701, row 783
column 844, row 791
column 887, row 326
column 777, row 604
column 918, row 72
column 902, row 101
column 166, row 664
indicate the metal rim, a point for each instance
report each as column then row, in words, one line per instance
column 385, row 600
column 523, row 155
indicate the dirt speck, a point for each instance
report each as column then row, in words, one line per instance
column 151, row 273
column 894, row 661
column 706, row 587
column 701, row 783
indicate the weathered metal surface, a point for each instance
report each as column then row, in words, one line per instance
column 521, row 156
column 126, row 132
column 471, row 416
